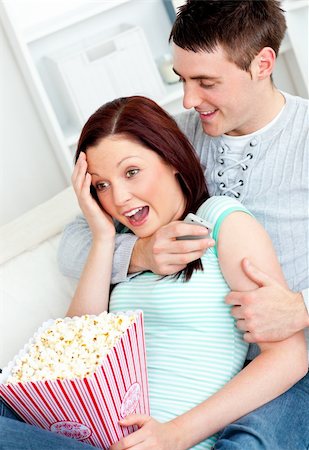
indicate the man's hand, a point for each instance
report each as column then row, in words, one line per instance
column 152, row 435
column 163, row 254
column 270, row 312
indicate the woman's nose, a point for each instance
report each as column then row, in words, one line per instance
column 121, row 195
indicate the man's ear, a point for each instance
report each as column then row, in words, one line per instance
column 264, row 63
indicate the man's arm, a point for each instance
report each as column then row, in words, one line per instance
column 74, row 248
column 270, row 312
column 160, row 253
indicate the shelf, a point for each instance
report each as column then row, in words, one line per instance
column 71, row 136
column 173, row 92
column 293, row 5
column 76, row 11
column 285, row 45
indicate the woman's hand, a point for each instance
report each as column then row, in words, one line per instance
column 100, row 223
column 152, row 435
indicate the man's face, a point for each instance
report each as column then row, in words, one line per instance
column 227, row 98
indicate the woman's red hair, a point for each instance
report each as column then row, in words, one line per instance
column 142, row 120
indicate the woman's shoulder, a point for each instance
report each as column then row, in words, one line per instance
column 216, row 209
column 215, row 206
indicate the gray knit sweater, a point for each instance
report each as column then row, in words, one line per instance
column 272, row 182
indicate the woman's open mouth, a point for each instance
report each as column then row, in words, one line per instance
column 137, row 216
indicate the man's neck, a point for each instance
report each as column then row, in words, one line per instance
column 266, row 107
column 274, row 102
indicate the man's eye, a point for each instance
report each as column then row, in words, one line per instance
column 101, row 186
column 130, row 173
column 207, row 86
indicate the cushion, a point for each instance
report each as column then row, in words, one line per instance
column 32, row 289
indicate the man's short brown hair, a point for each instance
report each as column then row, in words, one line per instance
column 241, row 28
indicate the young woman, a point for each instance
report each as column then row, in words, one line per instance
column 143, row 172
column 134, row 165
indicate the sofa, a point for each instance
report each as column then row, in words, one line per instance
column 32, row 290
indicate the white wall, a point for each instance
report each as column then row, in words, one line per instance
column 29, row 171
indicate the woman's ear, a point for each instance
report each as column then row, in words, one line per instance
column 265, row 63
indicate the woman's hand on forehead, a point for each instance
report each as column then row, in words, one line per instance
column 100, row 223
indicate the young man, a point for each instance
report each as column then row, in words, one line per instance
column 253, row 141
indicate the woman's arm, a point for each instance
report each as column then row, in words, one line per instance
column 275, row 370
column 92, row 293
column 279, row 365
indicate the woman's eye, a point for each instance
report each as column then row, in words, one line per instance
column 130, row 173
column 101, row 186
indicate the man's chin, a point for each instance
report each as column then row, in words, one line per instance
column 212, row 131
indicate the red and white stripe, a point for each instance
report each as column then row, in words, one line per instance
column 94, row 401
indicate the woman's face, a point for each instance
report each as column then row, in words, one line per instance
column 134, row 185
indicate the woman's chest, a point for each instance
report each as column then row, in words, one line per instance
column 171, row 301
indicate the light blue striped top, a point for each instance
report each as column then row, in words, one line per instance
column 193, row 345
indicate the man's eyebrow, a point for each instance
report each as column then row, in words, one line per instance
column 198, row 77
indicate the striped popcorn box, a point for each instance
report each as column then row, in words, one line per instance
column 86, row 408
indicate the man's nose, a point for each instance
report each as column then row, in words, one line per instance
column 191, row 98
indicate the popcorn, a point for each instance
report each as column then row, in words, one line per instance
column 71, row 348
column 78, row 376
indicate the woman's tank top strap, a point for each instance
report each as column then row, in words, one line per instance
column 216, row 209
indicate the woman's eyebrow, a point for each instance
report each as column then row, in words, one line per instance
column 127, row 157
column 118, row 164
